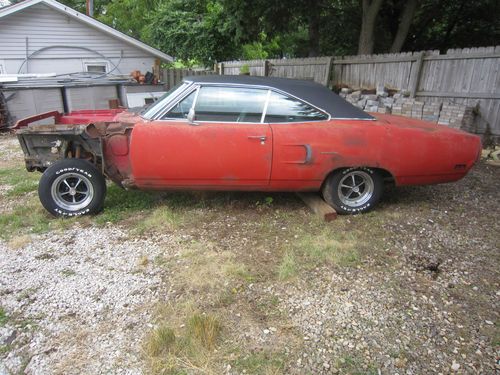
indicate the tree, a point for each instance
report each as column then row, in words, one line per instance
column 404, row 25
column 371, row 9
column 193, row 29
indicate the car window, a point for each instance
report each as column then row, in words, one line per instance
column 181, row 109
column 230, row 104
column 282, row 108
column 150, row 110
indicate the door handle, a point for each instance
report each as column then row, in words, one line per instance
column 261, row 138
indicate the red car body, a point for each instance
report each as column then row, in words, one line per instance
column 158, row 154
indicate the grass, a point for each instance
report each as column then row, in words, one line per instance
column 158, row 220
column 354, row 366
column 161, row 342
column 324, row 249
column 120, row 204
column 68, row 272
column 205, row 329
column 20, row 181
column 24, row 219
column 266, row 363
column 288, row 266
column 192, row 347
column 321, row 248
column 3, row 317
column 239, row 271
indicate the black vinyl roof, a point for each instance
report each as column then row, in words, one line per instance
column 309, row 91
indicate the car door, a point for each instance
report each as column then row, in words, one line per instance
column 300, row 134
column 226, row 145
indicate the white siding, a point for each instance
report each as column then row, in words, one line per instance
column 26, row 103
column 96, row 97
column 45, row 27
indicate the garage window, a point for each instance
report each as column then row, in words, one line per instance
column 95, row 66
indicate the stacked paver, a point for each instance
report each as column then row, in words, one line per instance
column 457, row 116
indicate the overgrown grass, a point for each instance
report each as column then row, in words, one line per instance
column 192, row 347
column 205, row 329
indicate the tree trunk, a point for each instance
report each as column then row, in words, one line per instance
column 313, row 20
column 314, row 35
column 366, row 36
column 404, row 25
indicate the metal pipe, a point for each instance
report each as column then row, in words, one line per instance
column 27, row 56
column 90, row 8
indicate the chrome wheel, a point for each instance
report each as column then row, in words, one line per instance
column 72, row 191
column 355, row 188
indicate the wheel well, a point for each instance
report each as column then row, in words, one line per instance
column 386, row 175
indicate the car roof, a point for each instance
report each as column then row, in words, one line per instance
column 309, row 91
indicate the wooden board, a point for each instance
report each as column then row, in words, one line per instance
column 318, row 206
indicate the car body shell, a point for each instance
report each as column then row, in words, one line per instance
column 147, row 152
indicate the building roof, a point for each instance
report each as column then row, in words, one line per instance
column 87, row 20
column 309, row 91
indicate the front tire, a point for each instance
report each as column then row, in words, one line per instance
column 72, row 187
column 353, row 190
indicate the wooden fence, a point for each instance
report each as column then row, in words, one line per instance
column 461, row 76
column 173, row 76
column 314, row 68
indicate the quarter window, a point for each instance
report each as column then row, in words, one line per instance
column 230, row 104
column 181, row 109
column 282, row 108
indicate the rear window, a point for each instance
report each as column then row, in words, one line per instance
column 282, row 108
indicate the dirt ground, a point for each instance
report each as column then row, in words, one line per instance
column 249, row 283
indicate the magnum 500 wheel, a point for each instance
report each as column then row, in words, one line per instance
column 72, row 187
column 353, row 190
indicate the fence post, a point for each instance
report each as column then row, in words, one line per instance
column 329, row 64
column 415, row 79
column 266, row 68
column 221, row 69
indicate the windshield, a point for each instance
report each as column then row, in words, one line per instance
column 151, row 109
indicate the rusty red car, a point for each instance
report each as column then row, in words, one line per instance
column 240, row 133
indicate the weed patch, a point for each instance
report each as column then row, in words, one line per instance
column 322, row 249
column 288, row 266
column 260, row 363
column 190, row 347
column 3, row 317
column 159, row 219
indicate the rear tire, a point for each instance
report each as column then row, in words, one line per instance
column 72, row 187
column 353, row 190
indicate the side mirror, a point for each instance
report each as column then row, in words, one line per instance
column 191, row 117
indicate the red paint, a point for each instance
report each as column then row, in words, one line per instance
column 178, row 154
column 90, row 116
column 232, row 156
column 222, row 156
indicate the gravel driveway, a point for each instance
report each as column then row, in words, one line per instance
column 410, row 288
